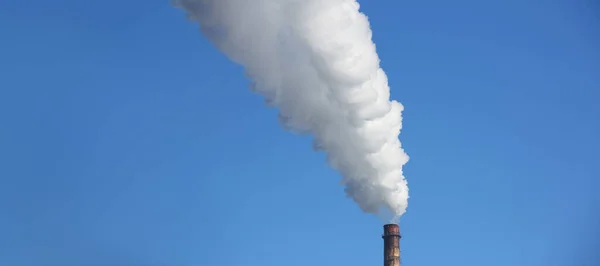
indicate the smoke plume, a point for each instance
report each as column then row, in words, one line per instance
column 315, row 61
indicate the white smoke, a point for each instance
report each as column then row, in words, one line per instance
column 315, row 61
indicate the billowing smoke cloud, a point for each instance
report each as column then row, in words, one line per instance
column 315, row 61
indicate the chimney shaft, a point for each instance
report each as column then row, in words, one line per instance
column 391, row 245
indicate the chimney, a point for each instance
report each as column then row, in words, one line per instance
column 391, row 245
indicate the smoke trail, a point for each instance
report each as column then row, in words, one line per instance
column 315, row 61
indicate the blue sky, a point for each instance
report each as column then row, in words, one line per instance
column 127, row 139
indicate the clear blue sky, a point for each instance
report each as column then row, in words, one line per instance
column 127, row 140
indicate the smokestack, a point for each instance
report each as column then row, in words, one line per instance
column 391, row 245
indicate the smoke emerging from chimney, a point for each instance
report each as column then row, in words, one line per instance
column 315, row 61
